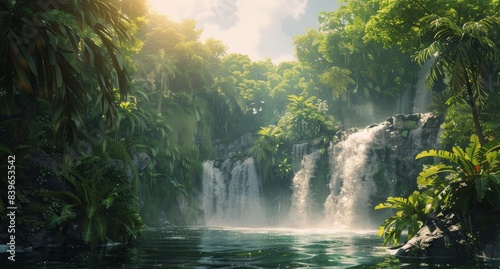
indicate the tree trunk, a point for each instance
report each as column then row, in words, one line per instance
column 159, row 100
column 475, row 114
column 162, row 86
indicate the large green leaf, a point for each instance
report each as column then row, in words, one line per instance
column 67, row 213
column 411, row 213
column 443, row 154
column 47, row 61
column 430, row 175
column 66, row 196
column 87, row 233
column 481, row 185
column 100, row 225
column 473, row 149
column 493, row 196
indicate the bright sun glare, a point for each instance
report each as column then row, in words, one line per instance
column 174, row 9
column 235, row 24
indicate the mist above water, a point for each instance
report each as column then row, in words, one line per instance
column 232, row 194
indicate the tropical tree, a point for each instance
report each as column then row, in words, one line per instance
column 45, row 45
column 462, row 54
column 400, row 24
column 338, row 79
column 162, row 74
column 351, row 68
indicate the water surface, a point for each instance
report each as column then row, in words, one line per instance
column 201, row 247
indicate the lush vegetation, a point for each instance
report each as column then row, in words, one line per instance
column 460, row 40
column 111, row 110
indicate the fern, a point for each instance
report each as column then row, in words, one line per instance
column 102, row 199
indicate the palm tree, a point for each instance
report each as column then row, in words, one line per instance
column 462, row 54
column 338, row 79
column 163, row 72
column 46, row 44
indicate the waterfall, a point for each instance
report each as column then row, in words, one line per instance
column 337, row 193
column 353, row 165
column 232, row 194
column 422, row 94
column 298, row 152
column 300, row 210
column 404, row 101
column 214, row 192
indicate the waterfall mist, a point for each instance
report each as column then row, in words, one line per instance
column 232, row 194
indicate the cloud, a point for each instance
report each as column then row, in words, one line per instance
column 251, row 27
column 174, row 9
column 258, row 28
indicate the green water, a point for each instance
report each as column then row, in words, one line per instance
column 229, row 248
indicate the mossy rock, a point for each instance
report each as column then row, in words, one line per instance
column 410, row 124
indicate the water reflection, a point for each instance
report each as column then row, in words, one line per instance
column 229, row 248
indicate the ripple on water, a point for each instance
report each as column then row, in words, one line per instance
column 229, row 248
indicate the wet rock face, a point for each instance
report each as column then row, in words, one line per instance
column 403, row 138
column 141, row 161
column 238, row 147
column 441, row 239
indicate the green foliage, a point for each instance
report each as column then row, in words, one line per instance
column 459, row 38
column 284, row 169
column 266, row 148
column 399, row 23
column 338, row 79
column 129, row 119
column 470, row 177
column 411, row 214
column 306, row 120
column 48, row 62
column 467, row 177
column 349, row 68
column 175, row 77
column 267, row 144
column 99, row 198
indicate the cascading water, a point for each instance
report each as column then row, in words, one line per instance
column 364, row 169
column 422, row 94
column 353, row 167
column 370, row 165
column 298, row 152
column 300, row 211
column 232, row 194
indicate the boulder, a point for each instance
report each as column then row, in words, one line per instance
column 406, row 122
column 440, row 240
column 141, row 161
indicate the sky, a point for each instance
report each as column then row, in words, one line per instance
column 258, row 28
